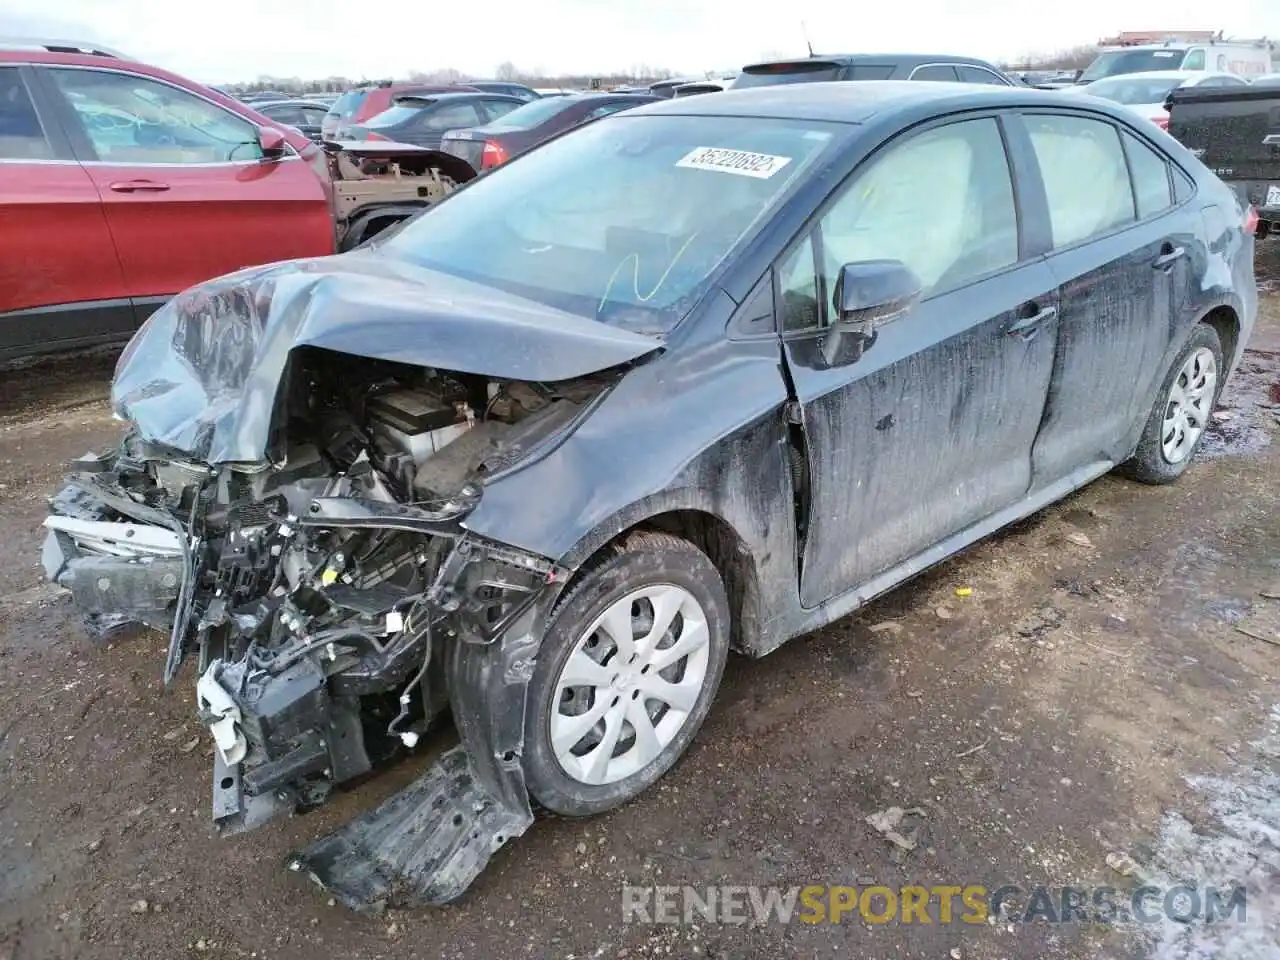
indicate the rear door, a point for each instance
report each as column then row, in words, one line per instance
column 930, row 429
column 1120, row 260
column 186, row 191
column 60, row 279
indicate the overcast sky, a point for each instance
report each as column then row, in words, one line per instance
column 229, row 40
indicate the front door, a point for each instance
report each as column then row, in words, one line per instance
column 186, row 192
column 1119, row 261
column 60, row 279
column 930, row 429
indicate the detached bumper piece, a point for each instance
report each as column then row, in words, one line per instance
column 425, row 845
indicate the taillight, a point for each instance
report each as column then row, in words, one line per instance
column 370, row 135
column 1251, row 220
column 493, row 155
column 1162, row 123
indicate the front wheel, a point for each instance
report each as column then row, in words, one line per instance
column 626, row 675
column 1177, row 423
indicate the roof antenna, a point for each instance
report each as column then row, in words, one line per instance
column 805, row 30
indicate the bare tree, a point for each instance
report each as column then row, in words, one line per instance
column 507, row 71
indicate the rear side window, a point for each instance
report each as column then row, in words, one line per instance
column 936, row 71
column 498, row 108
column 1151, row 188
column 285, row 113
column 979, row 75
column 1085, row 176
column 21, row 136
column 451, row 116
column 1194, row 60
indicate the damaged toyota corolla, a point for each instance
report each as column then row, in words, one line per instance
column 706, row 374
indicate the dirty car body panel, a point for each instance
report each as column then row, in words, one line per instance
column 374, row 479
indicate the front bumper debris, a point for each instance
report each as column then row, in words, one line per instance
column 315, row 621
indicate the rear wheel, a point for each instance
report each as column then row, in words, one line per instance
column 626, row 674
column 1177, row 423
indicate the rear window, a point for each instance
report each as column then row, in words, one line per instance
column 347, row 104
column 1131, row 61
column 869, row 71
column 1133, row 90
column 397, row 115
column 533, row 114
column 806, row 71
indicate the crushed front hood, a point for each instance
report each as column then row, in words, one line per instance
column 202, row 374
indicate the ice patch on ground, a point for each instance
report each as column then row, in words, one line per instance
column 1240, row 846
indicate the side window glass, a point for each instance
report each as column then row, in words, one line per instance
column 21, row 136
column 1151, row 189
column 1194, row 60
column 604, row 111
column 451, row 117
column 132, row 119
column 941, row 202
column 1084, row 173
column 943, row 72
column 1182, row 186
column 313, row 115
column 285, row 114
column 978, row 75
column 499, row 108
column 798, row 288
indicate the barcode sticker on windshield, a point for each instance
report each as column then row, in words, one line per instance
column 762, row 166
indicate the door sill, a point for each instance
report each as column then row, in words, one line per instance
column 847, row 602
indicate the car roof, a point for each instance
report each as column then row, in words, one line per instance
column 846, row 102
column 847, row 59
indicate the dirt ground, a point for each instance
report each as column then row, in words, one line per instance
column 1094, row 695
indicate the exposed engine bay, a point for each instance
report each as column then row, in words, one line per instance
column 319, row 594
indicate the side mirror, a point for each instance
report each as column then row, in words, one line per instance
column 272, row 143
column 868, row 294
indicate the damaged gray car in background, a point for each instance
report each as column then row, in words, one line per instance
column 693, row 377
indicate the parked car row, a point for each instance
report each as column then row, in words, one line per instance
column 125, row 184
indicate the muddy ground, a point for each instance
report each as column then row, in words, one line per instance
column 1094, row 695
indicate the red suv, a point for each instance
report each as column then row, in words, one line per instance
column 123, row 184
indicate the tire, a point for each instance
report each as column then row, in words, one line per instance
column 570, row 773
column 1151, row 462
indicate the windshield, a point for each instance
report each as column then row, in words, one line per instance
column 533, row 114
column 347, row 104
column 623, row 221
column 1134, row 90
column 394, row 116
column 1131, row 61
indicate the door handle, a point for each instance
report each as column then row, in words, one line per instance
column 1028, row 327
column 1169, row 257
column 138, row 186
